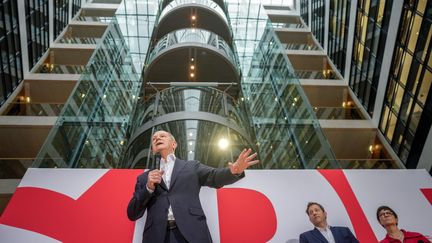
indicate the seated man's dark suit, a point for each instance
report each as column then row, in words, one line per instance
column 340, row 234
column 183, row 196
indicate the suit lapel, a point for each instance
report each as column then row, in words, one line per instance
column 163, row 185
column 319, row 236
column 335, row 233
column 178, row 166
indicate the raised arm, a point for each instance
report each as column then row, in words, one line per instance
column 244, row 160
column 219, row 177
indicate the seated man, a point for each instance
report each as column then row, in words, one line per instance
column 322, row 231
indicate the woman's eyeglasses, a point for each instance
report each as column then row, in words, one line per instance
column 385, row 213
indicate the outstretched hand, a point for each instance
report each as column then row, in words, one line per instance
column 243, row 162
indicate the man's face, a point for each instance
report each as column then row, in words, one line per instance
column 317, row 216
column 386, row 217
column 162, row 142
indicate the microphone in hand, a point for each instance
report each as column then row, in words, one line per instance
column 154, row 178
column 155, row 175
column 157, row 159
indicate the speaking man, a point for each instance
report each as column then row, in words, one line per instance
column 322, row 231
column 171, row 194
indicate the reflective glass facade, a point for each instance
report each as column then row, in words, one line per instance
column 37, row 23
column 61, row 16
column 338, row 32
column 370, row 34
column 91, row 131
column 109, row 119
column 288, row 134
column 247, row 22
column 407, row 110
column 11, row 73
column 136, row 19
column 92, row 128
column 318, row 22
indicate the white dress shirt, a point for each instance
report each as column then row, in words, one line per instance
column 326, row 232
column 167, row 167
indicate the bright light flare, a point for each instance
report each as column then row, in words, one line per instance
column 223, row 143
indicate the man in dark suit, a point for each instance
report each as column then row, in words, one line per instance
column 322, row 231
column 171, row 194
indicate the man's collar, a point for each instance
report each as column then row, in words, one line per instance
column 326, row 228
column 170, row 157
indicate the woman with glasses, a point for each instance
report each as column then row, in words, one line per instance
column 389, row 220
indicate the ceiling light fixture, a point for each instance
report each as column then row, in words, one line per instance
column 223, row 143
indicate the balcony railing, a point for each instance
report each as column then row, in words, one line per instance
column 79, row 40
column 195, row 113
column 294, row 46
column 219, row 2
column 205, row 3
column 288, row 25
column 315, row 74
column 338, row 113
column 61, row 69
column 94, row 19
column 194, row 36
column 34, row 109
column 182, row 99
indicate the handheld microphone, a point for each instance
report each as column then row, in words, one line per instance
column 157, row 158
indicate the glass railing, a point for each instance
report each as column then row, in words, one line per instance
column 203, row 111
column 183, row 99
column 307, row 47
column 194, row 36
column 208, row 4
column 315, row 74
column 60, row 69
column 79, row 40
column 288, row 25
column 34, row 109
column 198, row 138
column 14, row 168
column 338, row 113
column 94, row 19
column 219, row 2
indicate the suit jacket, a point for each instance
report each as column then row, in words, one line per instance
column 183, row 196
column 340, row 234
